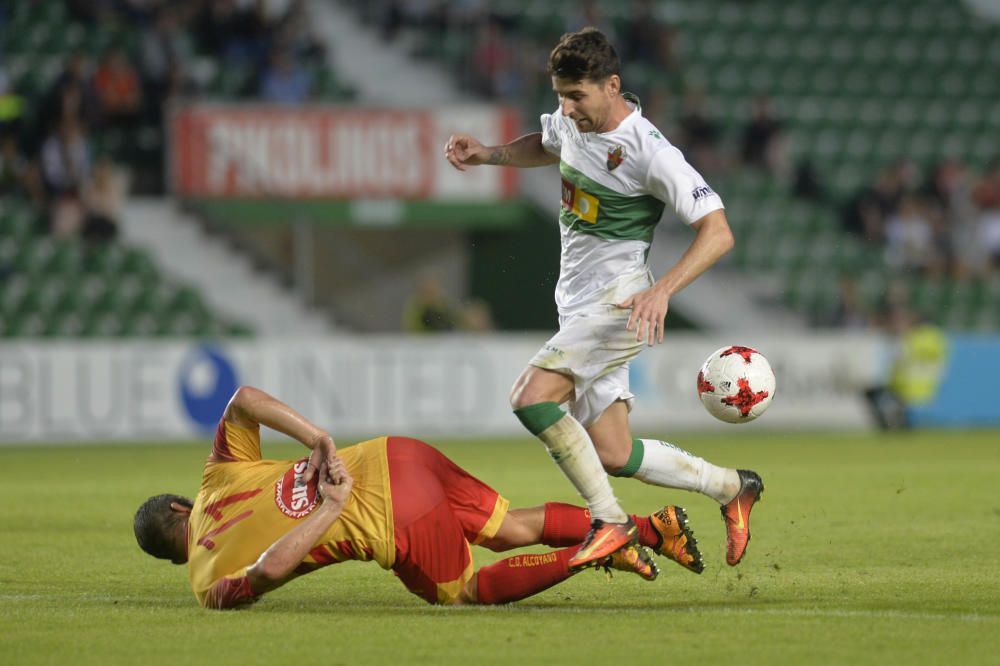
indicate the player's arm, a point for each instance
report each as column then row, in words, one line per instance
column 712, row 240
column 273, row 568
column 250, row 407
column 463, row 151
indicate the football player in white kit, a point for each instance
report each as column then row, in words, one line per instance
column 618, row 173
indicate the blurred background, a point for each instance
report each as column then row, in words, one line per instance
column 201, row 193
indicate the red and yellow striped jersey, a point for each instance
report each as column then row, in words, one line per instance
column 245, row 504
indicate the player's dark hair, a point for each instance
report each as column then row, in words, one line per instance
column 155, row 524
column 584, row 55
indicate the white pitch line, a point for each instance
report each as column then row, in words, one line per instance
column 788, row 612
column 889, row 614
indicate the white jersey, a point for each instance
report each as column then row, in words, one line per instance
column 614, row 188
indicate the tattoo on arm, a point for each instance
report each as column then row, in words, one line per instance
column 500, row 156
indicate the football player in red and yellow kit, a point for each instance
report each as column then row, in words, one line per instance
column 257, row 524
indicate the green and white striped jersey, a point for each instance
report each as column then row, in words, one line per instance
column 614, row 189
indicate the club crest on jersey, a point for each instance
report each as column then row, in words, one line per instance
column 295, row 500
column 616, row 155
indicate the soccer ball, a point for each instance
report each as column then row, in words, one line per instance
column 736, row 384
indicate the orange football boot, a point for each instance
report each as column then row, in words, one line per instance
column 633, row 558
column 736, row 514
column 602, row 541
column 675, row 539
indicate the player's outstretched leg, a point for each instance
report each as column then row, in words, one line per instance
column 522, row 576
column 666, row 531
column 571, row 448
column 662, row 464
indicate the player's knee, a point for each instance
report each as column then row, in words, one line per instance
column 522, row 396
column 613, row 461
column 529, row 394
column 469, row 593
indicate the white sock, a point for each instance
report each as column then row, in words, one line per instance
column 664, row 464
column 571, row 447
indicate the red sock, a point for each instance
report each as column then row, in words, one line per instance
column 567, row 525
column 647, row 535
column 522, row 576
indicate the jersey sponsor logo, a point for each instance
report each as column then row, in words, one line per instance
column 580, row 203
column 616, row 155
column 294, row 498
column 554, row 350
column 701, row 192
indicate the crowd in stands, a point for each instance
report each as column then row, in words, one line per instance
column 507, row 57
column 942, row 227
column 56, row 155
column 942, row 224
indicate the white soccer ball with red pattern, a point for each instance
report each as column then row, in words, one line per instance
column 736, row 384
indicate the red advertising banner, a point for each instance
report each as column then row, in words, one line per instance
column 233, row 151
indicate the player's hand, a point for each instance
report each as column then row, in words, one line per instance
column 323, row 454
column 649, row 312
column 335, row 483
column 463, row 151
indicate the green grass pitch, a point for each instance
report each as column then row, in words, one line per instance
column 866, row 550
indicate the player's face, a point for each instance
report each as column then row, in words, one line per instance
column 587, row 103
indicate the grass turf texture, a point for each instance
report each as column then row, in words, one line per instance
column 867, row 549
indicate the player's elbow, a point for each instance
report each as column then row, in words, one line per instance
column 265, row 575
column 726, row 240
column 718, row 232
column 244, row 396
column 241, row 404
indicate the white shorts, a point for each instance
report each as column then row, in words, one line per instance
column 594, row 349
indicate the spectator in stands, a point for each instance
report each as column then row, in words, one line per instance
column 850, row 310
column 72, row 94
column 699, row 134
column 494, row 73
column 11, row 105
column 12, row 165
column 806, row 183
column 649, row 40
column 285, row 81
column 986, row 196
column 428, row 309
column 233, row 32
column 948, row 192
column 910, row 238
column 294, row 29
column 389, row 16
column 763, row 141
column 866, row 215
column 66, row 167
column 103, row 198
column 165, row 55
column 118, row 88
column 19, row 175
